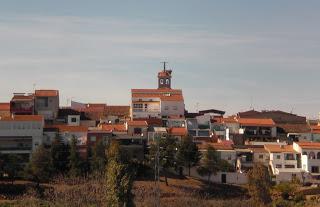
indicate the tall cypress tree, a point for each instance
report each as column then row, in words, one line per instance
column 74, row 159
column 119, row 178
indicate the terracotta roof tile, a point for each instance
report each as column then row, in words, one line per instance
column 4, row 106
column 22, row 118
column 67, row 128
column 165, row 73
column 21, row 97
column 46, row 93
column 114, row 127
column 217, row 146
column 275, row 148
column 256, row 122
column 117, row 110
column 163, row 94
column 178, row 131
column 309, row 145
column 137, row 123
column 295, row 128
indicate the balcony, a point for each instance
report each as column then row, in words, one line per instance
column 22, row 110
column 146, row 110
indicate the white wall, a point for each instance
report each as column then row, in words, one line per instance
column 168, row 108
column 23, row 128
column 231, row 177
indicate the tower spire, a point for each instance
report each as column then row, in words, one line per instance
column 164, row 65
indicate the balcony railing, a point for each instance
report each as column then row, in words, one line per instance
column 147, row 110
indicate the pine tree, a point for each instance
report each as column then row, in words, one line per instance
column 210, row 163
column 12, row 166
column 98, row 161
column 188, row 154
column 74, row 159
column 167, row 154
column 40, row 165
column 59, row 152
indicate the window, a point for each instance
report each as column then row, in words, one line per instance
column 289, row 166
column 73, row 120
column 93, row 138
column 278, row 166
column 289, row 157
column 318, row 155
column 229, row 157
column 175, row 108
column 161, row 81
column 145, row 106
column 139, row 106
column 314, row 169
column 278, row 157
column 167, row 81
column 312, row 155
column 304, row 153
column 260, row 156
column 42, row 102
column 166, row 108
column 137, row 131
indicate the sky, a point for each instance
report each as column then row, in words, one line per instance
column 227, row 55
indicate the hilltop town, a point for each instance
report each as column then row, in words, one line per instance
column 288, row 145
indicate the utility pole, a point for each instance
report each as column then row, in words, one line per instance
column 157, row 172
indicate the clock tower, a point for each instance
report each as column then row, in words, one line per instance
column 164, row 78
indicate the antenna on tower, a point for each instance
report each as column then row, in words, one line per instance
column 164, row 65
column 251, row 103
column 34, row 86
column 197, row 107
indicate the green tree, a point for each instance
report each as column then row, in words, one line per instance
column 119, row 178
column 210, row 163
column 40, row 165
column 259, row 184
column 188, row 154
column 59, row 151
column 286, row 189
column 12, row 166
column 99, row 159
column 167, row 148
column 74, row 159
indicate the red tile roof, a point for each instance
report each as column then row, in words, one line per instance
column 137, row 123
column 4, row 106
column 67, row 128
column 217, row 146
column 22, row 97
column 114, row 127
column 165, row 73
column 46, row 93
column 309, row 145
column 22, row 118
column 178, row 131
column 117, row 110
column 151, row 121
column 295, row 128
column 275, row 148
column 163, row 94
column 256, row 122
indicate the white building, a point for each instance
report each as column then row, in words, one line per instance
column 21, row 134
column 310, row 156
column 285, row 162
column 157, row 103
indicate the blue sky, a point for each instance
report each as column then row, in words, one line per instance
column 226, row 55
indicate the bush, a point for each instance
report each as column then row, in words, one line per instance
column 282, row 203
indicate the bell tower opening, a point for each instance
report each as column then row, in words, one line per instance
column 164, row 78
